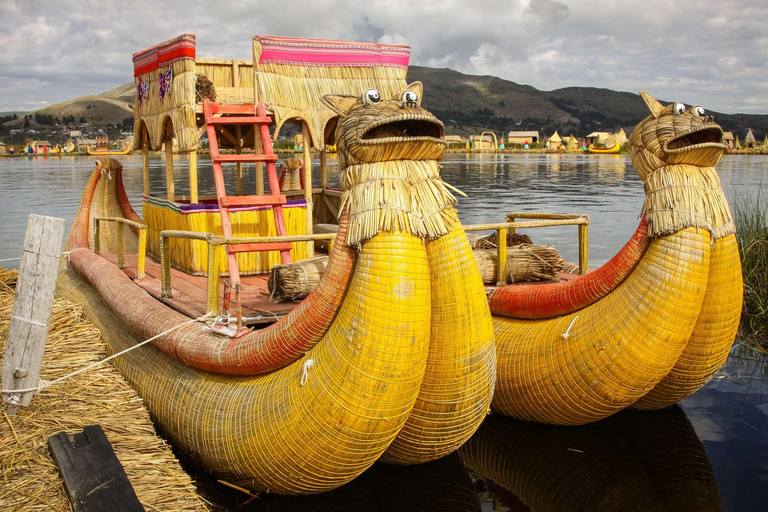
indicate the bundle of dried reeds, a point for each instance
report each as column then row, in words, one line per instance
column 204, row 88
column 296, row 280
column 489, row 241
column 101, row 396
column 524, row 263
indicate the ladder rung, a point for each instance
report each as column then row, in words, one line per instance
column 227, row 159
column 235, row 201
column 220, row 108
column 239, row 120
column 271, row 246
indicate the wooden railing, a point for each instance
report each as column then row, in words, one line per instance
column 121, row 223
column 541, row 220
column 214, row 241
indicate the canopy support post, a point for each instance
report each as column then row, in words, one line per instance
column 307, row 166
column 239, row 151
column 170, row 193
column 193, row 197
column 323, row 168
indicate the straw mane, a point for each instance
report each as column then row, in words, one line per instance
column 675, row 154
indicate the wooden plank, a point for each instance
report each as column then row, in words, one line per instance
column 32, row 305
column 94, row 479
column 247, row 201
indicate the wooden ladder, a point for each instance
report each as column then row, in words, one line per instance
column 218, row 115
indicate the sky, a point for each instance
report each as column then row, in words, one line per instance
column 699, row 52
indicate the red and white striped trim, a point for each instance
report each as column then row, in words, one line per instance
column 163, row 54
column 324, row 52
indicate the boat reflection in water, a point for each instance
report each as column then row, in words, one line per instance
column 649, row 460
column 632, row 461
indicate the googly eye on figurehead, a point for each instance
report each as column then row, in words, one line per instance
column 698, row 111
column 410, row 98
column 679, row 108
column 371, row 97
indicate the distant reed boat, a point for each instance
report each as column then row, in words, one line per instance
column 109, row 152
column 606, row 151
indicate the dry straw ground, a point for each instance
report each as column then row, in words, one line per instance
column 29, row 479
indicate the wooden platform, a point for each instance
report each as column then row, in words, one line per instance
column 189, row 292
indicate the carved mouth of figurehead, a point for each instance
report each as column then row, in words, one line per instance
column 706, row 136
column 404, row 128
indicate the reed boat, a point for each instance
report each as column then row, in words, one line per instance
column 652, row 325
column 604, row 151
column 391, row 358
column 109, row 152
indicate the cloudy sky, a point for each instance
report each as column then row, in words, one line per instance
column 704, row 52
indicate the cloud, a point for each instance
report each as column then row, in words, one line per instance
column 702, row 52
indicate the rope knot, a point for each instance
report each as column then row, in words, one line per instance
column 305, row 371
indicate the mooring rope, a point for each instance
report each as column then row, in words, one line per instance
column 43, row 384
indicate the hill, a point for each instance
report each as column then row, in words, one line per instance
column 469, row 103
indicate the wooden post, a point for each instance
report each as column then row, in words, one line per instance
column 212, row 296
column 583, row 248
column 193, row 196
column 145, row 166
column 165, row 268
column 171, row 195
column 239, row 151
column 32, row 305
column 120, row 245
column 142, row 256
column 308, row 185
column 323, row 168
column 501, row 257
column 96, row 236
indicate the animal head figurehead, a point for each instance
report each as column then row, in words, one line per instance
column 674, row 135
column 374, row 129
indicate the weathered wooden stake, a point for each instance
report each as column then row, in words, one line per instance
column 32, row 305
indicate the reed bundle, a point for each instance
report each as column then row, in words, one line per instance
column 192, row 255
column 204, row 89
column 177, row 107
column 220, row 72
column 292, row 91
column 296, row 280
column 398, row 195
column 101, row 396
column 490, row 241
column 524, row 263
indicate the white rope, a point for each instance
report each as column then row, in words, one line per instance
column 305, row 371
column 43, row 384
column 568, row 331
column 66, row 253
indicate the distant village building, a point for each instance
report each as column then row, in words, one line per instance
column 749, row 140
column 453, row 140
column 482, row 141
column 595, row 138
column 573, row 143
column 42, row 145
column 554, row 140
column 728, row 139
column 3, row 148
column 522, row 137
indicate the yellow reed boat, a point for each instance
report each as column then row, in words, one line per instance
column 109, row 152
column 604, row 151
column 390, row 358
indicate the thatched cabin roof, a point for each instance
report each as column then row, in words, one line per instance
column 750, row 138
column 555, row 138
column 523, row 134
column 293, row 74
column 728, row 136
column 455, row 139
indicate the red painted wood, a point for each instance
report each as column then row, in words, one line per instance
column 220, row 108
column 239, row 120
column 271, row 246
column 229, row 159
column 235, row 201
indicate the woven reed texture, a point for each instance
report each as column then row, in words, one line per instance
column 713, row 336
column 630, row 462
column 258, row 352
column 269, row 431
column 322, row 245
column 191, row 256
column 177, row 107
column 291, row 91
column 291, row 175
column 615, row 350
column 204, row 89
column 296, row 280
column 537, row 302
column 461, row 367
column 524, row 263
column 31, row 479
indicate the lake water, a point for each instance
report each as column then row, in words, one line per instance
column 729, row 417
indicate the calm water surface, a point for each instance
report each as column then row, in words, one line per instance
column 715, row 447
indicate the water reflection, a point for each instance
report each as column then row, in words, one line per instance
column 632, row 461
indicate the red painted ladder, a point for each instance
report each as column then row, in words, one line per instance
column 218, row 115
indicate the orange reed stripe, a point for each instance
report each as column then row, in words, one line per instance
column 551, row 300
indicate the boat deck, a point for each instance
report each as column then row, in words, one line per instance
column 189, row 292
